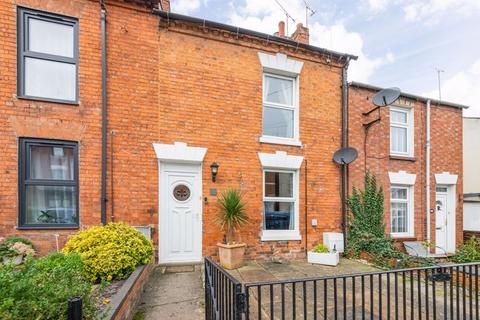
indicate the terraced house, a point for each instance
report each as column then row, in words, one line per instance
column 54, row 98
column 414, row 147
column 124, row 111
column 116, row 111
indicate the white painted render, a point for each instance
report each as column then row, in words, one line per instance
column 471, row 216
column 471, row 174
column 471, row 155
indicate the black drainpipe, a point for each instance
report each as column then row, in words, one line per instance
column 103, row 199
column 344, row 145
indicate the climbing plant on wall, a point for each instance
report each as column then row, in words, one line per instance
column 366, row 210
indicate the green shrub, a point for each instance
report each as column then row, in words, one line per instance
column 13, row 240
column 366, row 210
column 14, row 246
column 110, row 252
column 40, row 288
column 469, row 252
column 320, row 248
column 366, row 230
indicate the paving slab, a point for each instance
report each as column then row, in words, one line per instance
column 402, row 295
column 174, row 292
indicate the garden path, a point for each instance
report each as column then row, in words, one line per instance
column 174, row 292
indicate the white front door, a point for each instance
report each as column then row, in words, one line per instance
column 444, row 221
column 441, row 223
column 180, row 218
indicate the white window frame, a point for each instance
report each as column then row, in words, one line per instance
column 410, row 211
column 410, row 128
column 278, row 235
column 295, row 140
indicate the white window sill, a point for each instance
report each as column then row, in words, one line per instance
column 280, row 235
column 403, row 155
column 278, row 140
column 401, row 235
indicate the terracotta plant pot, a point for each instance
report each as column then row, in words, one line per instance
column 231, row 255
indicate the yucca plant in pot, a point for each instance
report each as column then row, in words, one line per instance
column 232, row 215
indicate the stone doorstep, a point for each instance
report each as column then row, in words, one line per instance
column 179, row 269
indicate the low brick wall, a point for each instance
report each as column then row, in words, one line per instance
column 126, row 300
column 468, row 234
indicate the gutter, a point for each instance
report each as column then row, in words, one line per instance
column 344, row 168
column 471, row 195
column 103, row 199
column 411, row 96
column 241, row 31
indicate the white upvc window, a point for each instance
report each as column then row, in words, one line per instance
column 401, row 211
column 401, row 131
column 280, row 110
column 280, row 205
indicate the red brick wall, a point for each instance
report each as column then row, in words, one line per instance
column 133, row 116
column 210, row 88
column 445, row 155
column 132, row 47
column 27, row 118
column 164, row 85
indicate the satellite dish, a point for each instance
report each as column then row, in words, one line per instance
column 386, row 97
column 345, row 155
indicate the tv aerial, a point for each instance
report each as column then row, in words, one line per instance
column 345, row 156
column 308, row 12
column 287, row 15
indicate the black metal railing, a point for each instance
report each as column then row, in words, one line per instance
column 223, row 293
column 436, row 292
column 439, row 292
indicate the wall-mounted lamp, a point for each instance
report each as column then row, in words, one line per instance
column 214, row 168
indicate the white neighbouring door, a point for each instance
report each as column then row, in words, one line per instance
column 444, row 221
column 180, row 218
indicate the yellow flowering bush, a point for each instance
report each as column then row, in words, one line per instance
column 110, row 252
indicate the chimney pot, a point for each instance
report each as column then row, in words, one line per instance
column 164, row 5
column 281, row 29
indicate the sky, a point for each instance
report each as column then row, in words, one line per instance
column 400, row 43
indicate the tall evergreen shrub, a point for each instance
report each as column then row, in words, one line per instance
column 366, row 210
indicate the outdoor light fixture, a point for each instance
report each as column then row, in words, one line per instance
column 214, row 168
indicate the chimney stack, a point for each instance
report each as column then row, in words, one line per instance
column 301, row 34
column 164, row 5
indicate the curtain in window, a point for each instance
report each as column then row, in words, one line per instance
column 47, row 201
column 51, row 163
column 399, row 210
column 278, row 201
